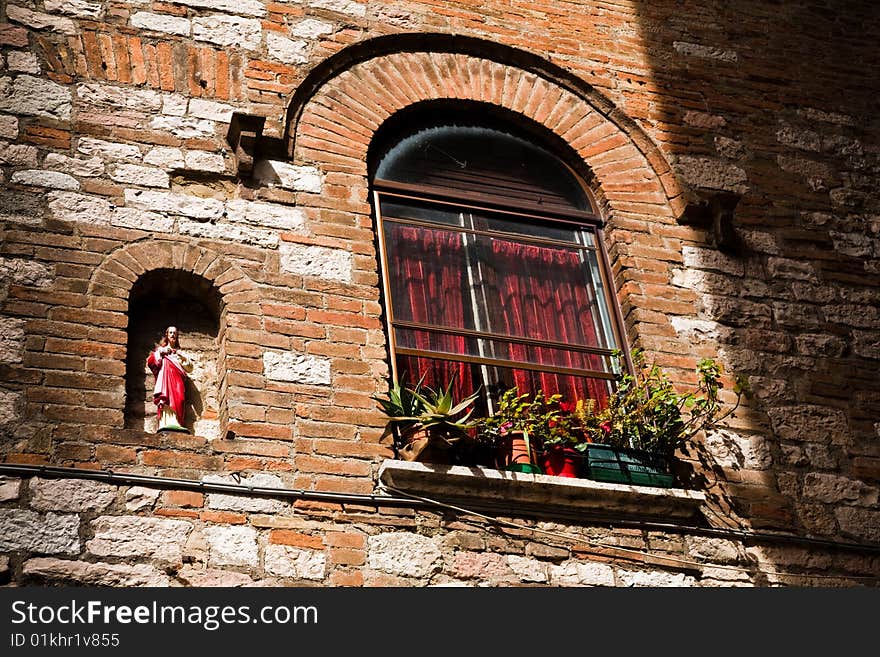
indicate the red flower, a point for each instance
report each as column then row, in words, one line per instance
column 606, row 427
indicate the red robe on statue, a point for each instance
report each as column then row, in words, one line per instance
column 170, row 389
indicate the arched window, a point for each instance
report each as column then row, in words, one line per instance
column 492, row 262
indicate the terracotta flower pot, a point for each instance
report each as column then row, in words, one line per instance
column 516, row 455
column 419, row 445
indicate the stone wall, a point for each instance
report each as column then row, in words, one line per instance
column 69, row 531
column 116, row 167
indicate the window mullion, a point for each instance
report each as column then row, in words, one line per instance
column 475, row 278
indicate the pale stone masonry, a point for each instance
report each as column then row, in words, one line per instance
column 126, row 197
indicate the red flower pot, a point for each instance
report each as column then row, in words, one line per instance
column 561, row 461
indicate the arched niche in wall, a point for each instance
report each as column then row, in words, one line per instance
column 173, row 297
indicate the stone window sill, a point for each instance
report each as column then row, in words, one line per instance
column 516, row 491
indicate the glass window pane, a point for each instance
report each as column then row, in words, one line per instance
column 485, row 348
column 496, row 285
column 482, row 160
column 493, row 381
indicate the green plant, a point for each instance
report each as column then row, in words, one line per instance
column 403, row 405
column 442, row 413
column 647, row 412
column 441, row 420
column 536, row 415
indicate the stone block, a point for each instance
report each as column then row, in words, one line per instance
column 834, row 489
column 245, row 503
column 241, row 7
column 174, row 104
column 78, row 8
column 166, row 157
column 288, row 176
column 40, row 21
column 133, row 536
column 35, row 97
column 50, row 533
column 42, row 178
column 205, row 577
column 188, row 206
column 269, row 215
column 146, row 20
column 580, row 573
column 211, row 110
column 133, row 174
column 25, row 272
column 716, row 550
column 142, row 101
column 808, row 423
column 700, row 258
column 11, row 339
column 88, row 168
column 184, row 127
column 399, row 553
column 22, row 62
column 21, row 155
column 10, row 405
column 317, row 261
column 294, row 562
column 108, row 150
column 713, row 173
column 10, row 488
column 311, row 28
column 528, row 569
column 705, row 51
column 141, row 220
column 205, row 161
column 730, row 450
column 232, row 545
column 349, row 7
column 140, row 498
column 287, row 50
column 71, row 495
column 229, row 231
column 93, row 574
column 8, row 127
column 654, row 579
column 488, row 567
column 244, row 33
column 296, row 368
column 67, row 206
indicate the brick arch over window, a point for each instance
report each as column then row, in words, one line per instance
column 112, row 284
column 335, row 112
column 335, row 115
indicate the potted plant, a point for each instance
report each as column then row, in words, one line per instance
column 426, row 423
column 524, row 428
column 633, row 439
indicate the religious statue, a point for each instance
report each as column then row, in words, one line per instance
column 170, row 366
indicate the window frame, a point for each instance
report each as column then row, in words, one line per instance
column 437, row 195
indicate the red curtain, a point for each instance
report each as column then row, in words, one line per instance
column 529, row 290
column 429, row 285
column 542, row 293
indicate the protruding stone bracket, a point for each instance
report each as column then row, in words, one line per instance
column 714, row 210
column 244, row 135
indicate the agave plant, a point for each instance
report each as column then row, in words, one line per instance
column 442, row 414
column 420, row 417
column 403, row 405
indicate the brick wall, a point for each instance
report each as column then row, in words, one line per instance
column 116, row 167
